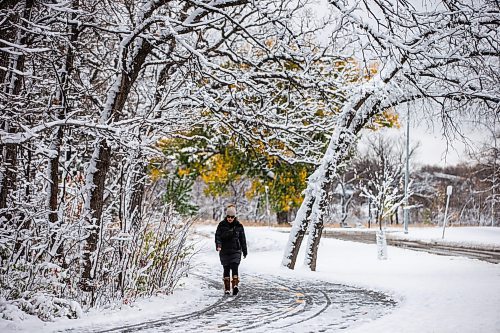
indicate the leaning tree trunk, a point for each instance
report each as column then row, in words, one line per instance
column 354, row 116
column 317, row 193
column 298, row 231
column 341, row 143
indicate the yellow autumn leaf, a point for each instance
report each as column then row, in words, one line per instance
column 183, row 172
column 155, row 174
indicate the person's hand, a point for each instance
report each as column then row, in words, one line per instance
column 218, row 249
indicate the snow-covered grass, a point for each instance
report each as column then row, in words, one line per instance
column 190, row 296
column 434, row 293
column 477, row 237
column 485, row 237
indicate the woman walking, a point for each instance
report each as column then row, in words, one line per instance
column 230, row 242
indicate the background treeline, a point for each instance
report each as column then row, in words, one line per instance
column 353, row 197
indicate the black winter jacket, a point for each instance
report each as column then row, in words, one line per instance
column 230, row 237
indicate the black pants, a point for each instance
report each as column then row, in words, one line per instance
column 232, row 267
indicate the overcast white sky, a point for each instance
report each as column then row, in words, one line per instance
column 434, row 149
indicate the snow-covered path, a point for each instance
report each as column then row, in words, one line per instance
column 272, row 303
column 409, row 292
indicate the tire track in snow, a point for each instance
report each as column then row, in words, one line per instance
column 273, row 303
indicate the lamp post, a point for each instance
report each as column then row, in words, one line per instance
column 449, row 189
column 267, row 206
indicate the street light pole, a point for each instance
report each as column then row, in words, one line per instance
column 449, row 189
column 267, row 206
column 407, row 171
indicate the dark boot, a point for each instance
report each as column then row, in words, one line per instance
column 235, row 282
column 227, row 285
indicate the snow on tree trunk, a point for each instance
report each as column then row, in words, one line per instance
column 61, row 104
column 354, row 116
column 298, row 231
column 134, row 192
column 97, row 171
column 339, row 146
column 99, row 164
column 12, row 82
column 53, row 173
column 8, row 177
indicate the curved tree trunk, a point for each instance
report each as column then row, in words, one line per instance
column 353, row 118
column 297, row 233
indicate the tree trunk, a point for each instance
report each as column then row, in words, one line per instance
column 314, row 237
column 62, row 104
column 8, row 184
column 343, row 138
column 297, row 233
column 54, row 178
column 56, row 248
column 12, row 83
column 282, row 217
column 100, row 161
column 370, row 215
column 353, row 118
column 135, row 188
column 101, row 164
column 345, row 201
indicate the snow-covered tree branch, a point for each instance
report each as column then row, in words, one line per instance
column 441, row 54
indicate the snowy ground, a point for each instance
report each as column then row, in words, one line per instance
column 480, row 237
column 433, row 293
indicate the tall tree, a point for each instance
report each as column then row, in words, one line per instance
column 105, row 81
column 408, row 43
